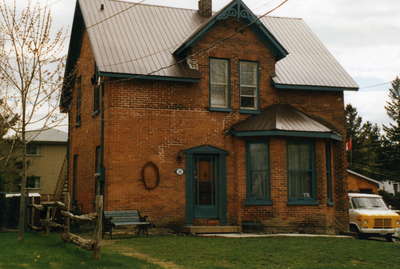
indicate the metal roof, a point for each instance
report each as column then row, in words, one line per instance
column 142, row 39
column 281, row 117
column 364, row 177
column 50, row 135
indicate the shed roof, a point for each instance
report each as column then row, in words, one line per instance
column 141, row 41
column 283, row 119
column 364, row 177
column 50, row 135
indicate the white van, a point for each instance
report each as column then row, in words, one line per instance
column 369, row 216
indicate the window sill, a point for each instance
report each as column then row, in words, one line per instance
column 95, row 113
column 303, row 202
column 216, row 109
column 257, row 202
column 247, row 111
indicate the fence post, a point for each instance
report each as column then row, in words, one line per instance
column 67, row 221
column 99, row 226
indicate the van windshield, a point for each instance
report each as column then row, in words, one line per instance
column 368, row 203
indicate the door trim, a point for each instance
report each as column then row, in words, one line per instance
column 222, row 195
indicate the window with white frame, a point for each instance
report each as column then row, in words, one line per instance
column 219, row 83
column 248, row 85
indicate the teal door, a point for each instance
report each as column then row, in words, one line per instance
column 205, row 186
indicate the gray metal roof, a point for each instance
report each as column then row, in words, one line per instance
column 142, row 40
column 50, row 135
column 281, row 117
column 365, row 177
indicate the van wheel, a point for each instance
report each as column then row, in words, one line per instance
column 390, row 238
column 357, row 233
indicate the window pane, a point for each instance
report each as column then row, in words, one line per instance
column 219, row 71
column 248, row 91
column 247, row 102
column 248, row 85
column 248, row 73
column 300, row 171
column 219, row 83
column 219, row 96
column 258, row 187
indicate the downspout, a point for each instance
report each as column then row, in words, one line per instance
column 101, row 186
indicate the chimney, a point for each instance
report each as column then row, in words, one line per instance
column 205, row 8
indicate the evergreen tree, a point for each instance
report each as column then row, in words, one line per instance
column 392, row 136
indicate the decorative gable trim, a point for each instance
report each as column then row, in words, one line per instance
column 236, row 9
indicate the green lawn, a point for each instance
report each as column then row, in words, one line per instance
column 270, row 253
column 39, row 251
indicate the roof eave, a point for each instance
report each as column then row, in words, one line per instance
column 313, row 87
column 150, row 77
column 305, row 134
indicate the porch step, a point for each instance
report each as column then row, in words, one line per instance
column 212, row 229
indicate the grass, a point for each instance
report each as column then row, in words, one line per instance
column 39, row 251
column 270, row 253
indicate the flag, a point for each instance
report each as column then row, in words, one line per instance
column 349, row 145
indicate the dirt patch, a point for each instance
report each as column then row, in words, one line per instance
column 130, row 252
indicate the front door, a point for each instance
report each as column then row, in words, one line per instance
column 205, row 186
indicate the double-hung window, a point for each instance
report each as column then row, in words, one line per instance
column 219, row 83
column 301, row 172
column 258, row 186
column 248, row 85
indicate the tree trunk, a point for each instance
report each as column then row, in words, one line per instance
column 22, row 204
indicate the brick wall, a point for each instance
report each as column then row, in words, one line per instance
column 155, row 121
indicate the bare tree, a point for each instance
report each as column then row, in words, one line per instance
column 31, row 70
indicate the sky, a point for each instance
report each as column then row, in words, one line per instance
column 363, row 35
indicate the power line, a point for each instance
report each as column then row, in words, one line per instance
column 115, row 14
column 375, row 85
column 215, row 43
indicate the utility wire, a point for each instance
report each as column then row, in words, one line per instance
column 215, row 43
column 375, row 85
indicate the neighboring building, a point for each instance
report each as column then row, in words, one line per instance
column 163, row 120
column 391, row 186
column 359, row 183
column 46, row 152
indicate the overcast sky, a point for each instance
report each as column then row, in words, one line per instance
column 363, row 35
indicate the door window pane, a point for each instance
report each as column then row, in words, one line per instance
column 219, row 83
column 205, row 181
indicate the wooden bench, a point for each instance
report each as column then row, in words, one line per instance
column 113, row 219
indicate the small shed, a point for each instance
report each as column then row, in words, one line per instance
column 359, row 183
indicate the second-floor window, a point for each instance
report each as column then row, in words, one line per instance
column 33, row 182
column 219, row 83
column 248, row 85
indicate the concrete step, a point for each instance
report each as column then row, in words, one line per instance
column 212, row 229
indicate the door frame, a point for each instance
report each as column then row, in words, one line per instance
column 221, row 173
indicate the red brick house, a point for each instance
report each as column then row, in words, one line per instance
column 205, row 118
